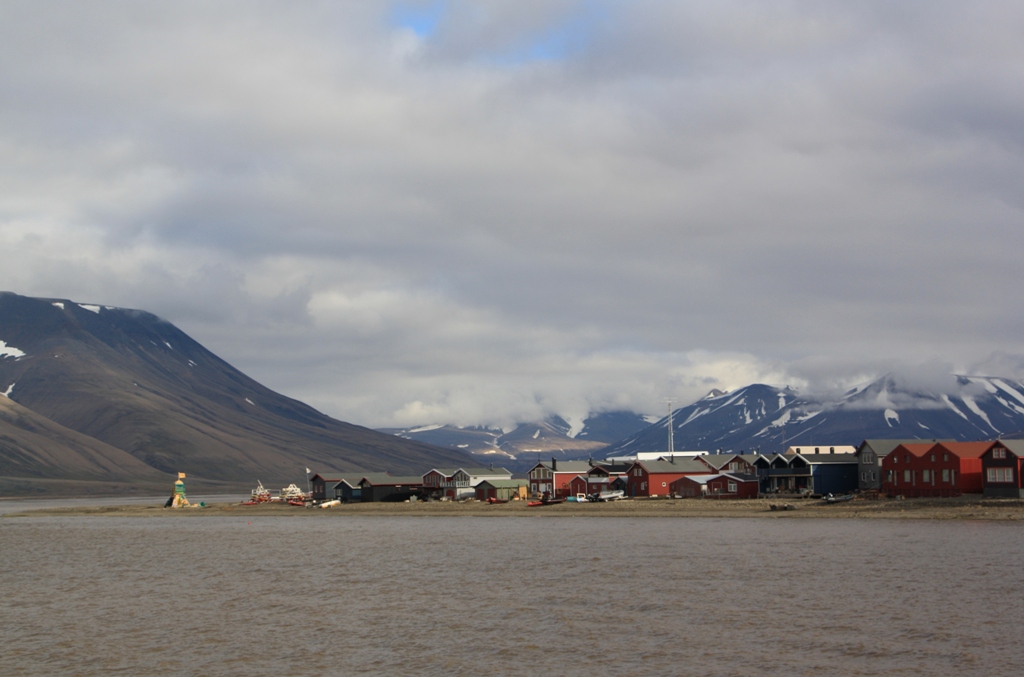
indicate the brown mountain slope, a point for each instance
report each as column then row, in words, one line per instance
column 34, row 450
column 137, row 383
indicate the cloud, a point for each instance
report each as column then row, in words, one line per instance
column 498, row 209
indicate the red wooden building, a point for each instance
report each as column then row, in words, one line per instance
column 554, row 477
column 934, row 469
column 652, row 478
column 723, row 485
column 1002, row 465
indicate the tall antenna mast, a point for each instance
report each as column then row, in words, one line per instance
column 671, row 443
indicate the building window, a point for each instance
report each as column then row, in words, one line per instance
column 945, row 474
column 933, row 458
column 998, row 453
column 926, row 476
column 945, row 457
column 1000, row 475
column 906, row 476
column 732, row 487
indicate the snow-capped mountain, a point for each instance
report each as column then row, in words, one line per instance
column 770, row 419
column 554, row 437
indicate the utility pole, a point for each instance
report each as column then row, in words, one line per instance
column 671, row 442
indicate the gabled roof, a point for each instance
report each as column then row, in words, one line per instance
column 575, row 467
column 916, row 448
column 352, row 480
column 966, row 449
column 719, row 461
column 384, row 479
column 704, row 479
column 447, row 472
column 505, row 484
column 475, row 472
column 1016, row 447
column 885, row 447
column 680, row 465
column 610, row 468
column 323, row 477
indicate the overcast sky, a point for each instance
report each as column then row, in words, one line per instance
column 482, row 212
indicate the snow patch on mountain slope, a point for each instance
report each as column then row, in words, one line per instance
column 1012, row 406
column 575, row 426
column 91, row 309
column 426, row 428
column 782, row 401
column 890, row 416
column 10, row 351
column 693, row 415
column 777, row 423
column 1012, row 392
column 973, row 406
column 949, row 403
column 57, row 304
column 10, row 389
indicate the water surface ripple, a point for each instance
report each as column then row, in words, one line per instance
column 238, row 595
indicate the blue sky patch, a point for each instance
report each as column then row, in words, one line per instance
column 422, row 19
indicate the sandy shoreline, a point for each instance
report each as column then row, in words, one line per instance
column 964, row 508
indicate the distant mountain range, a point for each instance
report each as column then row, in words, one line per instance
column 762, row 418
column 770, row 419
column 518, row 449
column 109, row 399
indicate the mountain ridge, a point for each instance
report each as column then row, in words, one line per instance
column 769, row 418
column 135, row 382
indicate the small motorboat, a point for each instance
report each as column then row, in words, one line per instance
column 494, row 501
column 829, row 498
column 545, row 499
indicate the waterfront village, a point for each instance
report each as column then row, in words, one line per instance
column 882, row 467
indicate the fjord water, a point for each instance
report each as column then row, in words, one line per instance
column 332, row 594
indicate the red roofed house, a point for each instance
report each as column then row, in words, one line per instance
column 652, row 478
column 934, row 469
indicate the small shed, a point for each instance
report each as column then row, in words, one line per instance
column 502, row 490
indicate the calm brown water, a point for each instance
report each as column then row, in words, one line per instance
column 366, row 595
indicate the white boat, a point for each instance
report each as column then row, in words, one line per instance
column 611, row 495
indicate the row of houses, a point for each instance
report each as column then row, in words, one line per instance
column 936, row 468
column 914, row 468
column 437, row 483
column 711, row 475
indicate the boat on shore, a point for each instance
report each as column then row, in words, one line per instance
column 545, row 501
column 829, row 498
